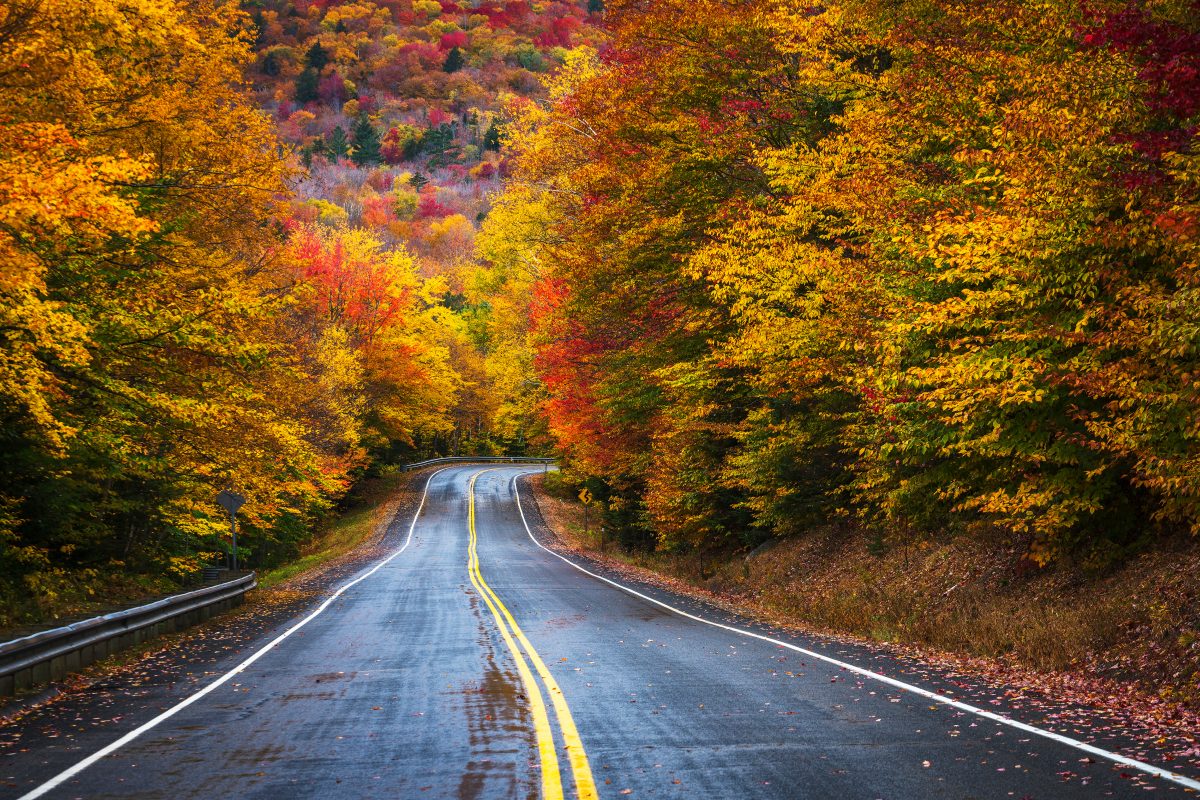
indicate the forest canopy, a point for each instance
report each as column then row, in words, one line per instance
column 930, row 267
column 750, row 268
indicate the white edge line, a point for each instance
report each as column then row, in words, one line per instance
column 71, row 772
column 1108, row 755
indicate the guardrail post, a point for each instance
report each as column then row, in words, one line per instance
column 40, row 673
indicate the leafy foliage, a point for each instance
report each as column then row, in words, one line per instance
column 930, row 266
column 401, row 96
column 160, row 339
column 754, row 266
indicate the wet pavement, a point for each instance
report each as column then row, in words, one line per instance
column 404, row 687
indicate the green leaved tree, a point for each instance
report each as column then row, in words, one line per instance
column 366, row 142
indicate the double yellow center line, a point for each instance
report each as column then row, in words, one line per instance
column 552, row 789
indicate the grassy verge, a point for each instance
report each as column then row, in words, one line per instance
column 972, row 597
column 369, row 510
column 372, row 504
column 340, row 545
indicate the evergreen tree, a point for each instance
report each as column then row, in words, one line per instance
column 316, row 57
column 337, row 146
column 454, row 60
column 270, row 63
column 306, row 86
column 418, row 181
column 437, row 142
column 595, row 6
column 491, row 139
column 413, row 146
column 366, row 142
column 259, row 24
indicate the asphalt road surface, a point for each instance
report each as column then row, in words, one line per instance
column 476, row 663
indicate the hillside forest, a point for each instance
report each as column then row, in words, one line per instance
column 749, row 268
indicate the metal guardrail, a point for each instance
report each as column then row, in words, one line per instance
column 49, row 655
column 481, row 460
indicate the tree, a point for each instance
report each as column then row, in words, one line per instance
column 316, row 57
column 454, row 60
column 307, row 83
column 631, row 186
column 437, row 142
column 145, row 363
column 873, row 240
column 530, row 57
column 375, row 300
column 491, row 139
column 366, row 142
column 269, row 63
column 337, row 145
column 400, row 143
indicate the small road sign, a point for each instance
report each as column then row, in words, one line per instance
column 231, row 502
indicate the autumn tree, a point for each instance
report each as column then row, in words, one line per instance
column 158, row 343
column 392, row 322
column 139, row 345
column 400, row 143
column 917, row 265
column 631, row 188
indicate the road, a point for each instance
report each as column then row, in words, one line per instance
column 476, row 663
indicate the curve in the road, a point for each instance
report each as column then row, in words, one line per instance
column 585, row 783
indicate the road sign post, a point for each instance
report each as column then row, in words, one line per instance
column 231, row 502
column 586, row 498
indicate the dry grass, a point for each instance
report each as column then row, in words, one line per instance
column 966, row 595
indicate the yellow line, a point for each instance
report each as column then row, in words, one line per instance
column 551, row 778
column 585, row 783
